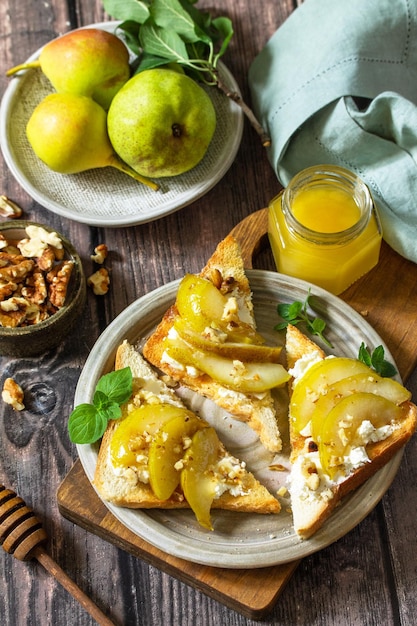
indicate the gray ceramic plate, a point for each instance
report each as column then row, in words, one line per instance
column 106, row 197
column 238, row 540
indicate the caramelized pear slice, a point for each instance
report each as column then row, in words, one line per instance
column 245, row 352
column 316, row 382
column 128, row 439
column 166, row 449
column 339, row 430
column 247, row 378
column 200, row 305
column 368, row 383
column 198, row 480
column 199, row 302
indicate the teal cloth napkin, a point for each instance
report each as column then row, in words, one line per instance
column 337, row 83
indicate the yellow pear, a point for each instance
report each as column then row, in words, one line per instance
column 161, row 122
column 69, row 134
column 86, row 62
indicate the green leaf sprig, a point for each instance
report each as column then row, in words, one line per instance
column 174, row 31
column 376, row 360
column 297, row 313
column 88, row 422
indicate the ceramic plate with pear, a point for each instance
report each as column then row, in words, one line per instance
column 106, row 196
column 239, row 540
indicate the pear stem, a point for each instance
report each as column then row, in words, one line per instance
column 22, row 66
column 116, row 162
column 233, row 95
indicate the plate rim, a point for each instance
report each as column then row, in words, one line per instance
column 369, row 493
column 199, row 189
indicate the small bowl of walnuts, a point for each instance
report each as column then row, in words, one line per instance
column 42, row 288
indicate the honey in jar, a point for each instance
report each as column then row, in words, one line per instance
column 324, row 228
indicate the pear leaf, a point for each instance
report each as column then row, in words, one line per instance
column 127, row 10
column 177, row 31
column 149, row 62
column 169, row 14
column 224, row 26
column 130, row 30
column 163, row 42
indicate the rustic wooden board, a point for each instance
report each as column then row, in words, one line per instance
column 252, row 592
column 383, row 298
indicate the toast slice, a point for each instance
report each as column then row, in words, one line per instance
column 225, row 270
column 129, row 486
column 314, row 492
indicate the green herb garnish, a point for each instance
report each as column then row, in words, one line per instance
column 175, row 31
column 296, row 313
column 88, row 422
column 376, row 360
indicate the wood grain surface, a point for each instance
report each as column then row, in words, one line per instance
column 367, row 578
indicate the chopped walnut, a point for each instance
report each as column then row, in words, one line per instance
column 18, row 271
column 39, row 233
column 9, row 209
column 216, row 278
column 310, row 474
column 100, row 254
column 7, row 289
column 58, row 279
column 13, row 394
column 34, row 277
column 35, row 289
column 47, row 259
column 99, row 281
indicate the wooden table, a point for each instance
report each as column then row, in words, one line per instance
column 366, row 578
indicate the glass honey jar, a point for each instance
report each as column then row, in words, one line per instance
column 324, row 228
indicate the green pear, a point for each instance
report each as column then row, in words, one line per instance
column 161, row 122
column 87, row 62
column 69, row 134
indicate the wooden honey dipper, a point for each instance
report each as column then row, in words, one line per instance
column 22, row 535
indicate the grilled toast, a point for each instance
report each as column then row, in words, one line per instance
column 225, row 271
column 123, row 472
column 331, row 457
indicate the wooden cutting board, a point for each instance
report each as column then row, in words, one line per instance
column 387, row 298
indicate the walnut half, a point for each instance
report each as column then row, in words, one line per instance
column 13, row 394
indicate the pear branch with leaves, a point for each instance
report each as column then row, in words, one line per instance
column 175, row 31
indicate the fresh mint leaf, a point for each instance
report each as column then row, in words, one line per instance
column 317, row 326
column 297, row 313
column 376, row 360
column 100, row 400
column 111, row 412
column 117, row 385
column 88, row 422
column 364, row 355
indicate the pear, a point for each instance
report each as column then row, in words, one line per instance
column 87, row 62
column 340, row 427
column 161, row 122
column 69, row 134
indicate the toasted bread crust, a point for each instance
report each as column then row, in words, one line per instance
column 258, row 412
column 125, row 492
column 310, row 516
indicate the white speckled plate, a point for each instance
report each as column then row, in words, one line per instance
column 106, row 197
column 238, row 540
